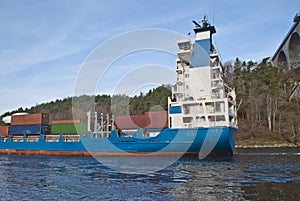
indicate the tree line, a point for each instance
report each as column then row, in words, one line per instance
column 77, row 107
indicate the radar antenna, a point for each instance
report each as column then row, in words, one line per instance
column 196, row 23
column 205, row 26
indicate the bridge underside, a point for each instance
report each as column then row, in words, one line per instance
column 288, row 54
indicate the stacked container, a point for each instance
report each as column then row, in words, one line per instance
column 68, row 127
column 31, row 124
column 40, row 118
column 4, row 130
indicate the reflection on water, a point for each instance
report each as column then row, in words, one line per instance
column 209, row 180
column 261, row 174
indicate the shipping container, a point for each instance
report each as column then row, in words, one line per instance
column 147, row 120
column 65, row 121
column 69, row 128
column 30, row 119
column 4, row 130
column 32, row 129
column 158, row 119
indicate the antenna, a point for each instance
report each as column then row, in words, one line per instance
column 214, row 4
column 196, row 23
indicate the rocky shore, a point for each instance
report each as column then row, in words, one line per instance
column 283, row 145
column 265, row 144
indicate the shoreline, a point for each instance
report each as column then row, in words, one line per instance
column 276, row 145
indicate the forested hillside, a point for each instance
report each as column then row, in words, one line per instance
column 266, row 110
column 154, row 100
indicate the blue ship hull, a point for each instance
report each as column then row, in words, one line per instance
column 212, row 141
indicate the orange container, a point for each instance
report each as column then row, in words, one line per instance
column 40, row 118
column 4, row 130
column 65, row 121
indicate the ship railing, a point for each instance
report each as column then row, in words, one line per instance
column 71, row 138
column 17, row 138
column 32, row 139
column 52, row 138
column 21, row 138
column 47, row 138
column 4, row 139
column 65, row 138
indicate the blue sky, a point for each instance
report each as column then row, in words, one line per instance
column 44, row 43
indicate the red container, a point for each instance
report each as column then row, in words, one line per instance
column 28, row 119
column 66, row 121
column 4, row 130
column 132, row 122
column 147, row 120
column 158, row 119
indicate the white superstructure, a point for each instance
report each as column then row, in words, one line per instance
column 200, row 98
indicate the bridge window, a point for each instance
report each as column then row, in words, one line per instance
column 187, row 119
column 201, row 119
column 220, row 118
column 186, row 110
column 216, row 118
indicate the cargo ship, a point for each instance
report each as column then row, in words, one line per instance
column 201, row 117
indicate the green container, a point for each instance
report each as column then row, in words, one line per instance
column 69, row 128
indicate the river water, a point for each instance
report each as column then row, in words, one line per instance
column 251, row 174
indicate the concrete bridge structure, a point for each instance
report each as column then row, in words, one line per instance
column 288, row 53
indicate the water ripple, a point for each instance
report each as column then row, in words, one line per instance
column 252, row 175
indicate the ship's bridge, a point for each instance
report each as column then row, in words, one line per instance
column 184, row 52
